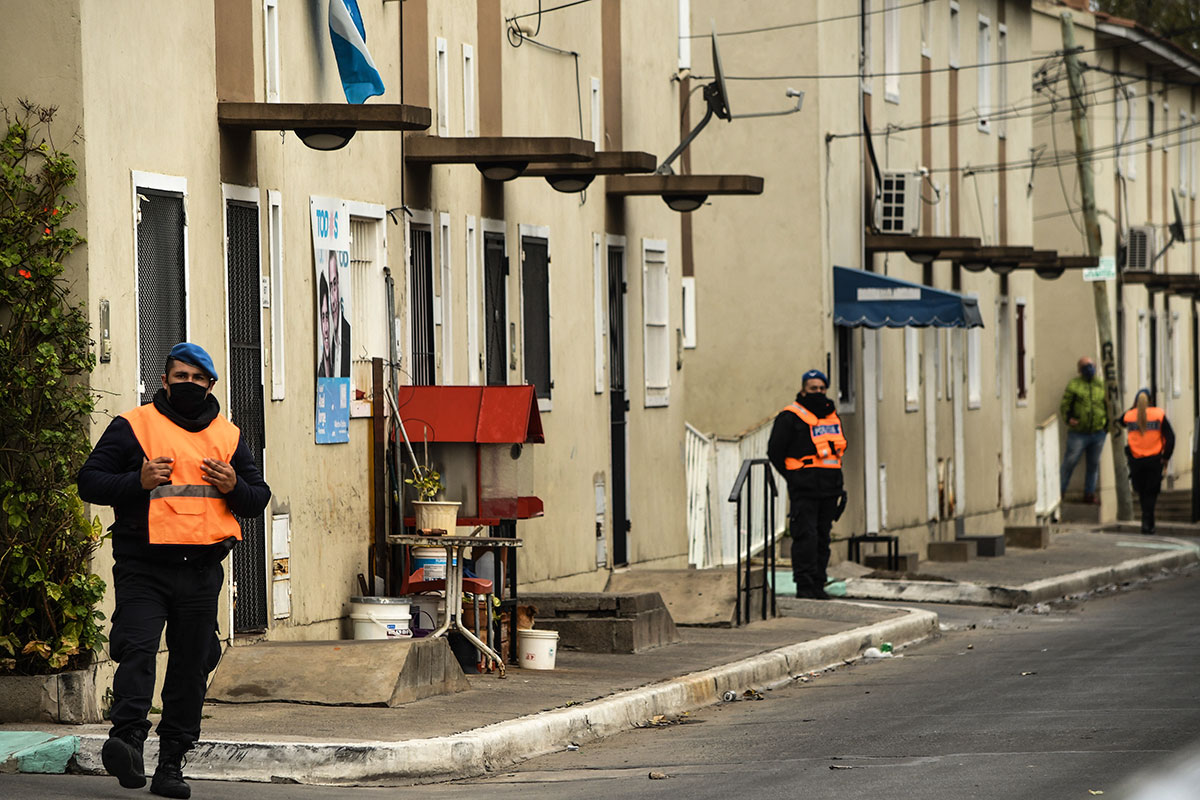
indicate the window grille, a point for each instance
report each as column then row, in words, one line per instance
column 162, row 302
column 495, row 309
column 367, row 327
column 424, row 359
column 616, row 319
column 535, row 285
column 246, row 402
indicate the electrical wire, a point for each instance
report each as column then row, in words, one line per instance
column 1101, row 153
column 541, row 11
column 788, row 25
column 934, row 70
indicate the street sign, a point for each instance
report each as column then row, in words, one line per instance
column 1106, row 271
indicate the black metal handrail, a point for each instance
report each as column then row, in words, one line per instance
column 742, row 487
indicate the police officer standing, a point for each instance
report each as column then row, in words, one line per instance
column 1149, row 444
column 175, row 472
column 806, row 446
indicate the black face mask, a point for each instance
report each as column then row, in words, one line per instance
column 188, row 399
column 1088, row 372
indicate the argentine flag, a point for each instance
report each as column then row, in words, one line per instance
column 360, row 78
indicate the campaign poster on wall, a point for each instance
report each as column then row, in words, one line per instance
column 331, row 266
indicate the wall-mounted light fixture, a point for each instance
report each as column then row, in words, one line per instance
column 322, row 126
column 326, row 139
column 501, row 170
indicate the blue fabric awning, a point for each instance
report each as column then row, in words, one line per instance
column 870, row 300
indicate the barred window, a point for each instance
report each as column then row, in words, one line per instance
column 535, row 286
column 162, row 299
column 368, row 326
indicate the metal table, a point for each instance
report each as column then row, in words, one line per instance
column 455, row 568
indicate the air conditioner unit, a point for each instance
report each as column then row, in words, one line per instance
column 1139, row 249
column 899, row 207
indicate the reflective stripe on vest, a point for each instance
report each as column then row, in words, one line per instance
column 189, row 509
column 1147, row 443
column 827, row 438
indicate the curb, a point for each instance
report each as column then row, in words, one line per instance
column 1035, row 592
column 500, row 745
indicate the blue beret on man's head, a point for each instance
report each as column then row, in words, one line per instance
column 195, row 355
column 814, row 373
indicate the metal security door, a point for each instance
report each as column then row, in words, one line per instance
column 162, row 303
column 424, row 358
column 619, row 405
column 495, row 275
column 246, row 403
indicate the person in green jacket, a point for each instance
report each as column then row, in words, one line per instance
column 1084, row 410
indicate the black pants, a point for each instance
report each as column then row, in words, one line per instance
column 812, row 519
column 1146, row 476
column 184, row 598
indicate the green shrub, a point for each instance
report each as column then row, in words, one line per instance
column 48, row 620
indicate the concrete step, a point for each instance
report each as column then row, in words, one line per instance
column 1036, row 537
column 602, row 622
column 987, row 545
column 906, row 562
column 1079, row 512
column 958, row 550
column 338, row 673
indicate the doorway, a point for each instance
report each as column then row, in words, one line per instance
column 619, row 404
column 246, row 403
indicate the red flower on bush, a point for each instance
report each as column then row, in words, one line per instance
column 24, row 273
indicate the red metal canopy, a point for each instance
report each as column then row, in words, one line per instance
column 479, row 414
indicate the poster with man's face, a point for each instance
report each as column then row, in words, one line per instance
column 331, row 267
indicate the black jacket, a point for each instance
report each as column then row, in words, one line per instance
column 791, row 438
column 111, row 476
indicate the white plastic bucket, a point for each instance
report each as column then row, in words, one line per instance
column 433, row 559
column 537, row 648
column 427, row 611
column 380, row 617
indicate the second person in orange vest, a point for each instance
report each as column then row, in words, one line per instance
column 1149, row 444
column 806, row 446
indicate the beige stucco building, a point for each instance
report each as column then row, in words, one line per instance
column 199, row 225
column 633, row 321
column 1142, row 98
column 941, row 421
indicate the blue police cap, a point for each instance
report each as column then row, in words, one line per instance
column 195, row 355
column 814, row 373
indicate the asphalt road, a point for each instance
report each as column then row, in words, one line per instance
column 1061, row 704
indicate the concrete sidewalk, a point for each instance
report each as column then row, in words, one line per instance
column 1077, row 560
column 499, row 722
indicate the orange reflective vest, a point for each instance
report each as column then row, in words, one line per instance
column 189, row 509
column 827, row 437
column 1147, row 443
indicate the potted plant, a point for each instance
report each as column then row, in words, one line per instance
column 432, row 515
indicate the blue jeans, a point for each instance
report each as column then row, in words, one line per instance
column 1077, row 445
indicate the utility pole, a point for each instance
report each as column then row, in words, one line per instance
column 1091, row 224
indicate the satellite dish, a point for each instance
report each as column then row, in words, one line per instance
column 1176, row 227
column 716, row 101
column 717, row 93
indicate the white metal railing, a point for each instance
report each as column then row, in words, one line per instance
column 700, row 453
column 712, row 467
column 1049, row 494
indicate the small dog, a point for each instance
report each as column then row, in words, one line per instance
column 525, row 615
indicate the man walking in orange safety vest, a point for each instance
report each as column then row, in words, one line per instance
column 1149, row 444
column 175, row 472
column 806, row 446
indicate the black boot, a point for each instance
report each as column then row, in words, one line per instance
column 168, row 778
column 122, row 757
